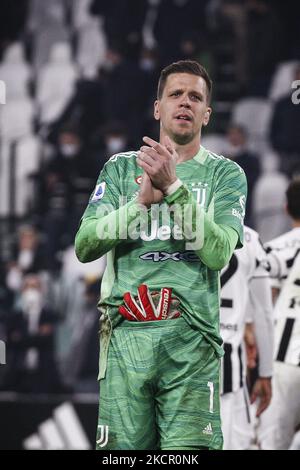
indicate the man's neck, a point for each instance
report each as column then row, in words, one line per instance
column 188, row 151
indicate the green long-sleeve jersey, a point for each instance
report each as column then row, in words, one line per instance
column 171, row 245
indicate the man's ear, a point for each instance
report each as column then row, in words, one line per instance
column 156, row 110
column 207, row 116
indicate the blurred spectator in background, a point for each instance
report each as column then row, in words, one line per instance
column 65, row 184
column 119, row 93
column 237, row 150
column 148, row 65
column 196, row 45
column 107, row 140
column 28, row 256
column 123, row 21
column 53, row 207
column 289, row 14
column 285, row 131
column 85, row 111
column 263, row 44
column 183, row 13
column 6, row 304
column 115, row 139
column 124, row 90
column 81, row 365
column 77, row 166
column 257, row 42
column 232, row 20
column 148, row 62
column 31, row 366
column 6, row 294
column 69, row 147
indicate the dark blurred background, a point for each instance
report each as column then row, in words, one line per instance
column 80, row 80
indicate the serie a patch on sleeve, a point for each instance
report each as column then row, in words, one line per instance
column 99, row 192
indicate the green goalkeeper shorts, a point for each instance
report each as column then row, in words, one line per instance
column 161, row 389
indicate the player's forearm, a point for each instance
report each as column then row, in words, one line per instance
column 97, row 235
column 213, row 243
column 262, row 313
column 219, row 244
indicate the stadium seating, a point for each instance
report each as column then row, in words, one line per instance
column 282, row 80
column 91, row 48
column 254, row 115
column 80, row 15
column 42, row 14
column 56, row 82
column 19, row 160
column 15, row 72
column 268, row 204
column 16, row 119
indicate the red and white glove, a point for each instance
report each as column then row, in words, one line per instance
column 150, row 306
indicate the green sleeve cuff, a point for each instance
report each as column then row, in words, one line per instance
column 181, row 195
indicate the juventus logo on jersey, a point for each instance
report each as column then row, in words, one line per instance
column 103, row 435
column 200, row 190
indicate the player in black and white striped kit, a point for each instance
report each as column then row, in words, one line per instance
column 245, row 280
column 278, row 424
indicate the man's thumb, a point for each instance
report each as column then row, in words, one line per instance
column 145, row 178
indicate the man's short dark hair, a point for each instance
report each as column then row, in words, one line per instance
column 184, row 66
column 293, row 198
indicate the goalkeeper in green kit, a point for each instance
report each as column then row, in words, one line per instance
column 169, row 217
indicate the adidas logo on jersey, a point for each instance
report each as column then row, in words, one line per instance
column 208, row 429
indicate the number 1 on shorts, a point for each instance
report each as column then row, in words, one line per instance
column 211, row 396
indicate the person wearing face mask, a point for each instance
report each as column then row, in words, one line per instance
column 27, row 256
column 238, row 151
column 114, row 143
column 108, row 140
column 69, row 145
column 53, row 205
column 69, row 149
column 31, row 366
column 71, row 153
column 64, row 187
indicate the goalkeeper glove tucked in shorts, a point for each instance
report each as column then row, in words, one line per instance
column 150, row 306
